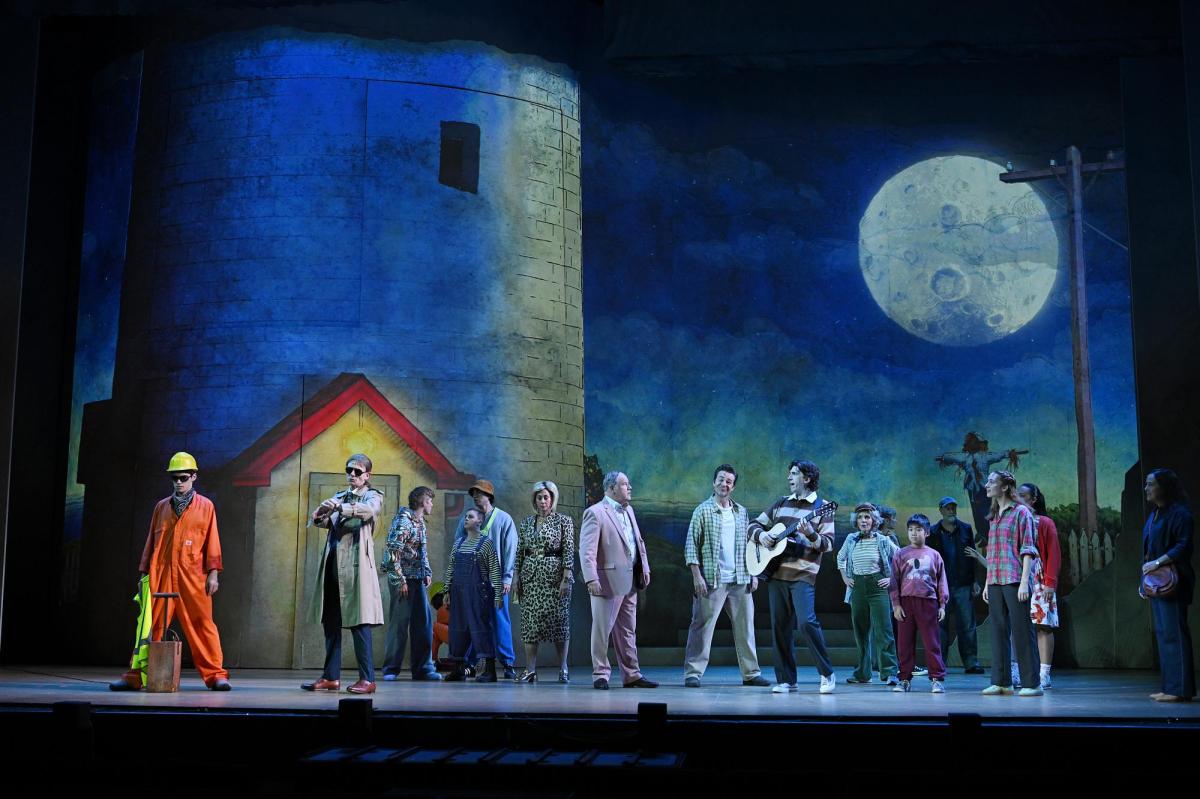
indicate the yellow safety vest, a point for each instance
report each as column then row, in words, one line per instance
column 141, row 636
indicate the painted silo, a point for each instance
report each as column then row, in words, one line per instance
column 316, row 218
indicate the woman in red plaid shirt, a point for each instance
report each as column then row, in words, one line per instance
column 1011, row 548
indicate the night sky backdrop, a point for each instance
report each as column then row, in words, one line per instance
column 727, row 317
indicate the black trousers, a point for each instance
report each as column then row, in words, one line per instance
column 793, row 602
column 1010, row 619
column 331, row 622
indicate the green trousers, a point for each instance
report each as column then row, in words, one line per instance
column 871, row 618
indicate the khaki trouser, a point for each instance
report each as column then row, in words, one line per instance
column 738, row 603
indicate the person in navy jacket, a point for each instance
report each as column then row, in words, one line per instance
column 1167, row 539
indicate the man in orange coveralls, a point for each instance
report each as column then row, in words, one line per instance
column 183, row 554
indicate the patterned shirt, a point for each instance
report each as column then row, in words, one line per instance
column 1010, row 538
column 405, row 555
column 702, row 544
column 554, row 538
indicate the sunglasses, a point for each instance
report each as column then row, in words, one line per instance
column 181, row 478
column 350, row 470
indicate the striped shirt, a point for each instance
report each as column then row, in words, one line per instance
column 866, row 557
column 488, row 560
column 802, row 559
column 702, row 546
column 1010, row 538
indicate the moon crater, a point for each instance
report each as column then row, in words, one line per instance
column 953, row 255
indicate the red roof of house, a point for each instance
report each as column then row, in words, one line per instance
column 254, row 466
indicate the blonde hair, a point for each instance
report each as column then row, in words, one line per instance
column 876, row 516
column 1009, row 483
column 548, row 486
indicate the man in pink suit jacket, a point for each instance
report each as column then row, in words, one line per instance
column 612, row 556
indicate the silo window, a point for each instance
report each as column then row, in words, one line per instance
column 459, row 167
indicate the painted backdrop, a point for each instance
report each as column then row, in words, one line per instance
column 337, row 244
column 826, row 265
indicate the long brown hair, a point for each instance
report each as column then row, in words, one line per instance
column 1009, row 483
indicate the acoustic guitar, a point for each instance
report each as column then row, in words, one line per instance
column 759, row 557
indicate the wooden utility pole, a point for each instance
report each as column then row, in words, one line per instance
column 1089, row 516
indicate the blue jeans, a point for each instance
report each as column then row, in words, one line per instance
column 409, row 621
column 962, row 606
column 1174, row 647
column 504, row 645
column 792, row 602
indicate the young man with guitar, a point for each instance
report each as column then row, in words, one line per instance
column 786, row 544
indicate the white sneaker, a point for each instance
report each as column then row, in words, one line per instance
column 828, row 684
column 1046, row 682
column 920, row 672
column 938, row 687
column 784, row 687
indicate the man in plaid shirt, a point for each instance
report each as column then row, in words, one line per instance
column 406, row 564
column 715, row 551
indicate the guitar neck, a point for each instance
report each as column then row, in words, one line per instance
column 798, row 528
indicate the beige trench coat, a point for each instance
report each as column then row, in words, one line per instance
column 358, row 576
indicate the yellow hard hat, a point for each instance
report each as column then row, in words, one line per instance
column 182, row 462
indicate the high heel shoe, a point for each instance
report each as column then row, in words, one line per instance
column 526, row 676
column 563, row 677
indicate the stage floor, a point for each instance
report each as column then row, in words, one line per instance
column 1078, row 695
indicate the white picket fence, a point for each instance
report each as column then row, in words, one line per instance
column 1086, row 553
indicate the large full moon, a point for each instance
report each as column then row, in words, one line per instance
column 953, row 255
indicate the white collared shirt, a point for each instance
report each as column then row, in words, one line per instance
column 626, row 525
column 810, row 499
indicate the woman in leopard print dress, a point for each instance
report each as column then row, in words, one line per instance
column 545, row 554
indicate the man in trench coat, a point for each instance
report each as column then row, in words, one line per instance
column 346, row 591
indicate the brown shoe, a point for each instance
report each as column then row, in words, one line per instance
column 322, row 685
column 362, row 687
column 129, row 681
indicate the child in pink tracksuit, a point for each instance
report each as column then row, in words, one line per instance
column 919, row 596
